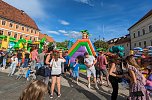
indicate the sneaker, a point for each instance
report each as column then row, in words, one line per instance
column 77, row 83
column 59, row 95
column 96, row 86
column 51, row 96
column 89, row 86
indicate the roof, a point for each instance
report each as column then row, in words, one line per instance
column 19, row 16
column 120, row 40
column 48, row 38
column 144, row 17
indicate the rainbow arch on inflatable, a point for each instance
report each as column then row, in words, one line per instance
column 80, row 47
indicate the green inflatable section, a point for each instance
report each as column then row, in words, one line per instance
column 78, row 46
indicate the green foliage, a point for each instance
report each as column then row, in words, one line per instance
column 62, row 44
column 101, row 44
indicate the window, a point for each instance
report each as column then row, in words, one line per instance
column 143, row 30
column 21, row 36
column 150, row 28
column 1, row 32
column 17, row 26
column 134, row 44
column 35, row 32
column 139, row 43
column 138, row 33
column 15, row 36
column 31, row 31
column 11, row 25
column 9, row 33
column 30, row 38
column 144, row 44
column 33, row 39
column 3, row 22
column 134, row 35
column 27, row 29
column 23, row 28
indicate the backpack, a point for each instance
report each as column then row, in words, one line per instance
column 44, row 71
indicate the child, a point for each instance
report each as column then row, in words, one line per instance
column 76, row 70
column 14, row 62
column 30, row 73
column 34, row 91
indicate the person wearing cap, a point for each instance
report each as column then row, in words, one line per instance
column 102, row 63
column 90, row 61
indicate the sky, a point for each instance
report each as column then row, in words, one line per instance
column 64, row 19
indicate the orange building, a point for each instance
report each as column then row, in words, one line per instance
column 16, row 23
column 48, row 38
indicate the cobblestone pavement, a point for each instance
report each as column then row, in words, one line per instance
column 10, row 89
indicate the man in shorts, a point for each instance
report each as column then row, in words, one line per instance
column 90, row 61
column 102, row 63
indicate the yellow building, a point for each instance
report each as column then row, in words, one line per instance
column 16, row 23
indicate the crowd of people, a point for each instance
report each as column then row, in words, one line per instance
column 52, row 64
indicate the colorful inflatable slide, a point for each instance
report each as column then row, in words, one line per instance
column 80, row 47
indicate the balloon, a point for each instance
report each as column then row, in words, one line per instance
column 120, row 48
column 115, row 49
column 111, row 50
column 20, row 45
column 121, row 54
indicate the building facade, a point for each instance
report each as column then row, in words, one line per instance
column 141, row 32
column 122, row 41
column 16, row 23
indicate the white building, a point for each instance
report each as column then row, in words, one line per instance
column 141, row 32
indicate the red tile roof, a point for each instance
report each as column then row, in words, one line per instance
column 11, row 13
column 144, row 17
column 48, row 38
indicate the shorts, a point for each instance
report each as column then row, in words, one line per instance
column 66, row 68
column 57, row 75
column 19, row 60
column 75, row 74
column 91, row 71
column 103, row 72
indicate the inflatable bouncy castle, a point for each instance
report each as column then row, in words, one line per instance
column 81, row 46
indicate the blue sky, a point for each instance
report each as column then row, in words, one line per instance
column 64, row 19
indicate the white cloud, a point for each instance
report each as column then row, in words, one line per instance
column 63, row 22
column 74, row 34
column 63, row 31
column 31, row 7
column 88, row 2
column 66, row 34
column 54, row 32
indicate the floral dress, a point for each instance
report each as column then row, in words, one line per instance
column 139, row 86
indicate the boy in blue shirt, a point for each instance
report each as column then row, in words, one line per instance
column 76, row 70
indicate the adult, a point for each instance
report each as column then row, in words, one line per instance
column 19, row 56
column 14, row 62
column 34, row 91
column 26, row 60
column 5, row 55
column 115, row 74
column 90, row 61
column 41, row 59
column 34, row 55
column 102, row 63
column 55, row 64
column 67, row 64
column 137, row 80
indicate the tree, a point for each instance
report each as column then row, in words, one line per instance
column 101, row 44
